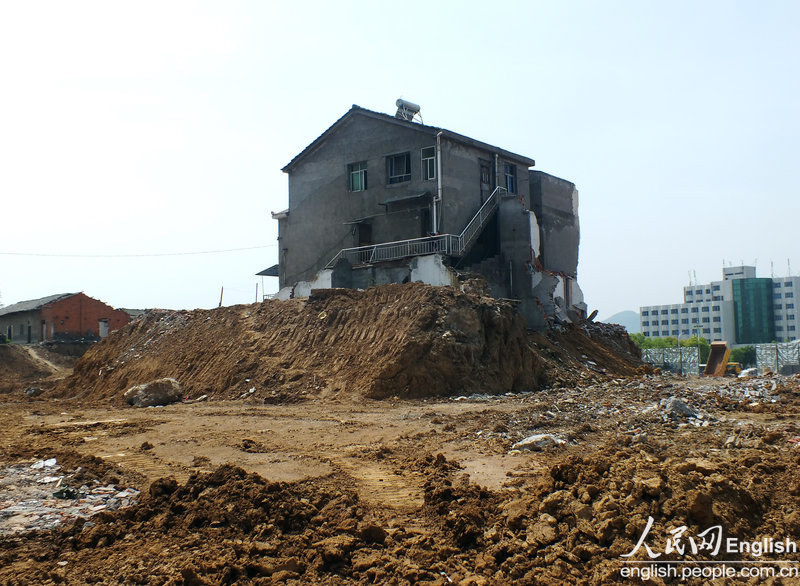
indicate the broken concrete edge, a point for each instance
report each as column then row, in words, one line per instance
column 155, row 393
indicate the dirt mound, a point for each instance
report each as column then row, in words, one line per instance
column 408, row 340
column 572, row 526
column 21, row 366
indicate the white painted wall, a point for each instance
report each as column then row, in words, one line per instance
column 431, row 270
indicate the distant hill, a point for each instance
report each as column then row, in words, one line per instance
column 629, row 319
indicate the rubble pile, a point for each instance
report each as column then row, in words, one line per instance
column 407, row 341
column 41, row 495
column 573, row 523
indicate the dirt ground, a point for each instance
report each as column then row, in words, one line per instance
column 342, row 488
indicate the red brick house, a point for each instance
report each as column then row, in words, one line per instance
column 64, row 316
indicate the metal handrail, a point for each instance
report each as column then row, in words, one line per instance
column 448, row 244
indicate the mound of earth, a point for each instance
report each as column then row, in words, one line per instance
column 408, row 341
column 22, row 366
column 573, row 526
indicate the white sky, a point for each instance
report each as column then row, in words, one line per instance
column 161, row 127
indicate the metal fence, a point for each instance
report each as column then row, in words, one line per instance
column 780, row 358
column 683, row 360
column 447, row 244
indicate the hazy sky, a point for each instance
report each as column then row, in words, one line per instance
column 133, row 131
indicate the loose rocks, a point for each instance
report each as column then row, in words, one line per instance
column 156, row 393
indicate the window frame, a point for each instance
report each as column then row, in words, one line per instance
column 361, row 171
column 428, row 163
column 510, row 174
column 392, row 176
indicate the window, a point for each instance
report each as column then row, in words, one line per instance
column 698, row 291
column 429, row 163
column 684, row 332
column 790, row 306
column 716, row 298
column 357, row 176
column 779, row 306
column 674, row 322
column 790, row 317
column 647, row 334
column 790, row 328
column 685, row 320
column 695, row 309
column 511, row 178
column 789, row 295
column 706, row 320
column 705, row 309
column 684, row 310
column 778, row 318
column 778, row 295
column 645, row 313
column 706, row 330
column 690, row 292
column 645, row 324
column 398, row 168
column 674, row 332
column 778, row 328
column 717, row 330
column 716, row 318
column 664, row 311
column 715, row 287
column 708, row 291
column 673, row 311
column 664, row 322
column 715, row 308
column 788, row 284
column 695, row 320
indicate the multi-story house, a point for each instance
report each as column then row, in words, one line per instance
column 383, row 199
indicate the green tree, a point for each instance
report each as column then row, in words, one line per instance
column 702, row 344
column 745, row 355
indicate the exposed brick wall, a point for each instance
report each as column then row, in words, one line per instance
column 79, row 315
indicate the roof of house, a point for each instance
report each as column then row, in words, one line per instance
column 33, row 304
column 358, row 110
column 269, row 272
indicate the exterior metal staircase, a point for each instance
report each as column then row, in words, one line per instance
column 447, row 244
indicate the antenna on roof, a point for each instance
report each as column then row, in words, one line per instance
column 406, row 110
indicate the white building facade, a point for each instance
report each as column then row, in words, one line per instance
column 709, row 310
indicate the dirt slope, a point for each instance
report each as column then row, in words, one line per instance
column 22, row 366
column 408, row 340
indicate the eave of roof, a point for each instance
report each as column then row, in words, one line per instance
column 33, row 304
column 433, row 130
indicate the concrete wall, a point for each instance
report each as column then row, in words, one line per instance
column 555, row 203
column 16, row 326
column 322, row 209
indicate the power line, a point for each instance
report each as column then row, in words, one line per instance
column 54, row 255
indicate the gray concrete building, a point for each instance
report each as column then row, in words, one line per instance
column 381, row 199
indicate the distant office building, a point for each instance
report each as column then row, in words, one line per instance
column 740, row 309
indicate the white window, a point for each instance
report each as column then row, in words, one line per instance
column 429, row 163
column 357, row 176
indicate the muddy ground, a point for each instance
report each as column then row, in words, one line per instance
column 349, row 489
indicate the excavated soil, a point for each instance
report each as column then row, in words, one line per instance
column 403, row 341
column 417, row 487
